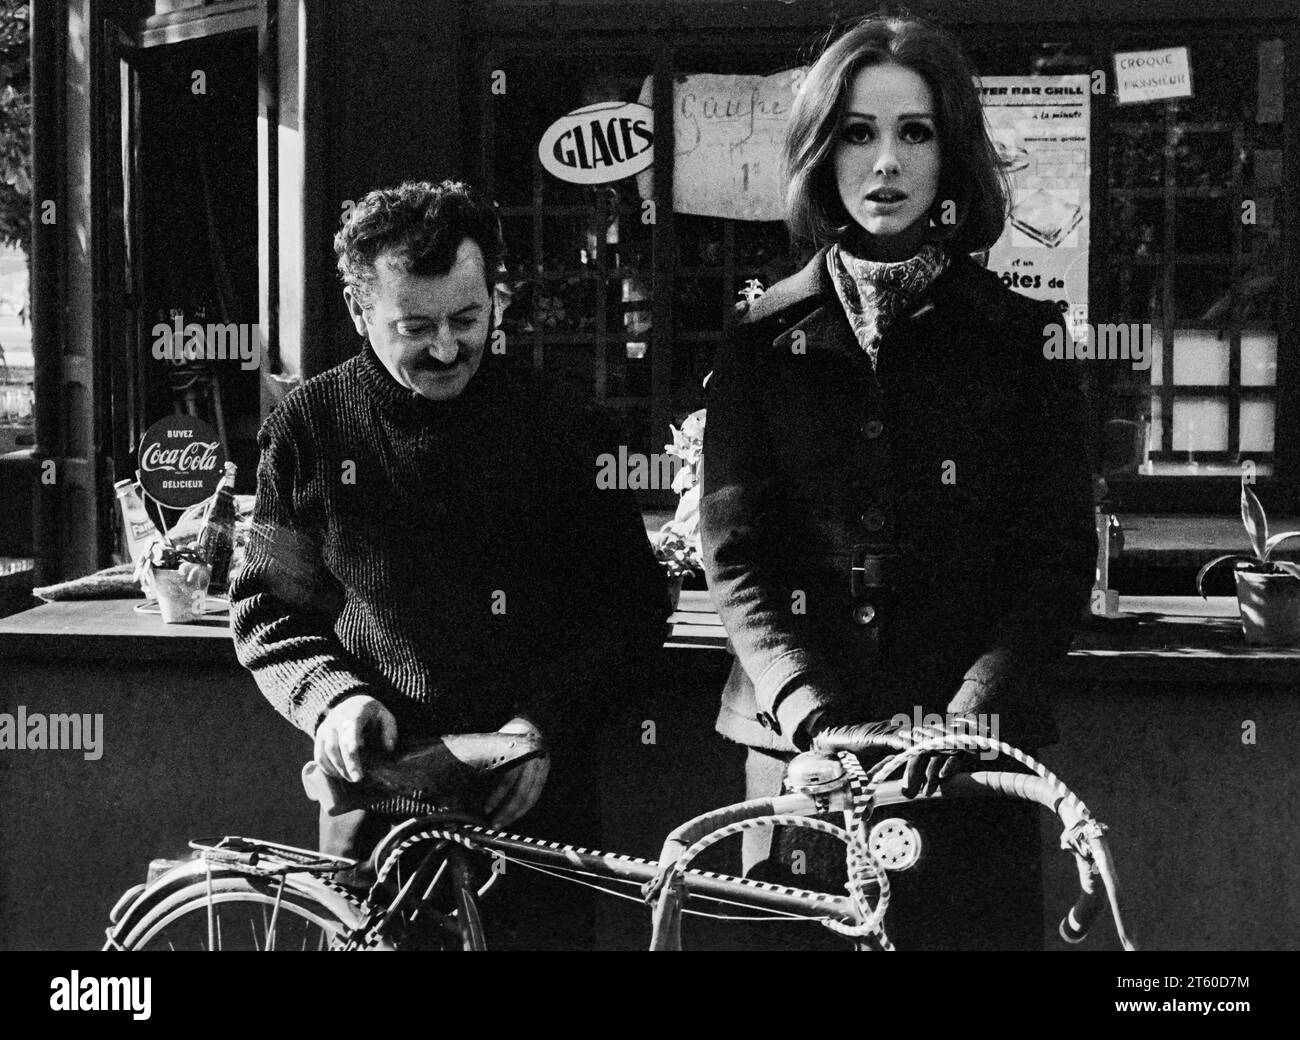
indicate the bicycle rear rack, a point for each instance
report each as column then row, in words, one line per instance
column 267, row 858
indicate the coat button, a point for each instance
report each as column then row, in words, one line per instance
column 873, row 520
column 873, row 429
column 864, row 614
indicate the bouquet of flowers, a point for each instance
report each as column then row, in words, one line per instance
column 678, row 543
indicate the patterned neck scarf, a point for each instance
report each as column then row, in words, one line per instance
column 875, row 293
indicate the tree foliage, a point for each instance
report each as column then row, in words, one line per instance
column 15, row 126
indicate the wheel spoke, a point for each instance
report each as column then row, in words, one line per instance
column 270, row 933
column 217, row 910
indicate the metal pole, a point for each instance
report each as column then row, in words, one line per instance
column 47, row 281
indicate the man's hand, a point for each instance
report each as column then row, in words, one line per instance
column 520, row 787
column 352, row 727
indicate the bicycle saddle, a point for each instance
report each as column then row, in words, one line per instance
column 445, row 764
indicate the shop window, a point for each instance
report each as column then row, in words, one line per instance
column 17, row 371
column 1195, row 250
column 579, row 282
column 1173, row 248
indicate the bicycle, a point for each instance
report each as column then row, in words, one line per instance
column 425, row 885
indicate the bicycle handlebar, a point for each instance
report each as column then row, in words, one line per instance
column 1028, row 786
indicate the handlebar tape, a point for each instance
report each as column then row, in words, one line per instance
column 1078, row 922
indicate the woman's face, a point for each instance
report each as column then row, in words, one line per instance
column 887, row 159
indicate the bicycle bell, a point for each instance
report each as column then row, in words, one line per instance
column 815, row 772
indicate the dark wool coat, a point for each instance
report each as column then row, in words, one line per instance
column 965, row 456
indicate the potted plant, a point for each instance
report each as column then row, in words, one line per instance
column 1268, row 590
column 178, row 577
column 678, row 543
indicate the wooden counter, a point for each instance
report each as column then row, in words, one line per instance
column 1176, row 734
column 113, row 629
column 1173, row 638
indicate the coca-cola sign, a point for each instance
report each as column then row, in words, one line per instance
column 181, row 461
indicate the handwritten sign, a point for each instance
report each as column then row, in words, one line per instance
column 727, row 137
column 1152, row 75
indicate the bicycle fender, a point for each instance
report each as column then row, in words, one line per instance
column 194, row 874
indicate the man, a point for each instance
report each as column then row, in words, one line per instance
column 430, row 552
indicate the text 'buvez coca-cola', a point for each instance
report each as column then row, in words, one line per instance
column 181, row 460
column 193, row 458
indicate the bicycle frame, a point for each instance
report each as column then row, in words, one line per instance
column 442, row 841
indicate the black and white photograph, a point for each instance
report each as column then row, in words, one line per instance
column 616, row 475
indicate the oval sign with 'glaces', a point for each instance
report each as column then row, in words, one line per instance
column 603, row 142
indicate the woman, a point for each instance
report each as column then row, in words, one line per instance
column 896, row 503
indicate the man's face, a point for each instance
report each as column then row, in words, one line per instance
column 428, row 331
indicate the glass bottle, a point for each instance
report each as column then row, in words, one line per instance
column 138, row 531
column 217, row 540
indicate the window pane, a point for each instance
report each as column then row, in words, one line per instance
column 17, row 368
column 1260, row 295
column 1137, row 157
column 1135, row 292
column 1200, row 424
column 1256, row 426
column 518, row 233
column 700, row 241
column 1200, row 358
column 1258, row 358
column 697, row 304
column 1224, row 80
column 762, row 244
column 1201, row 293
column 1268, row 107
column 1264, row 168
column 1138, row 227
column 1261, row 241
column 1204, row 225
column 572, row 364
column 1201, row 160
column 627, row 369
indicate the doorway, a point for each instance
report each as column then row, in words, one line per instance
column 189, row 199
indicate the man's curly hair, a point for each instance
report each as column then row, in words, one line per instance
column 423, row 224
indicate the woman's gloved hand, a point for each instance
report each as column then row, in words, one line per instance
column 834, row 729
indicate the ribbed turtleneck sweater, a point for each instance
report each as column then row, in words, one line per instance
column 453, row 559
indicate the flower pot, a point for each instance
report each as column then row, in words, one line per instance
column 1270, row 608
column 182, row 592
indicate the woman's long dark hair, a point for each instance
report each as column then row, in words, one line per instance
column 971, row 174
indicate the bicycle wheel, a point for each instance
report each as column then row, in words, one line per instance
column 236, row 911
